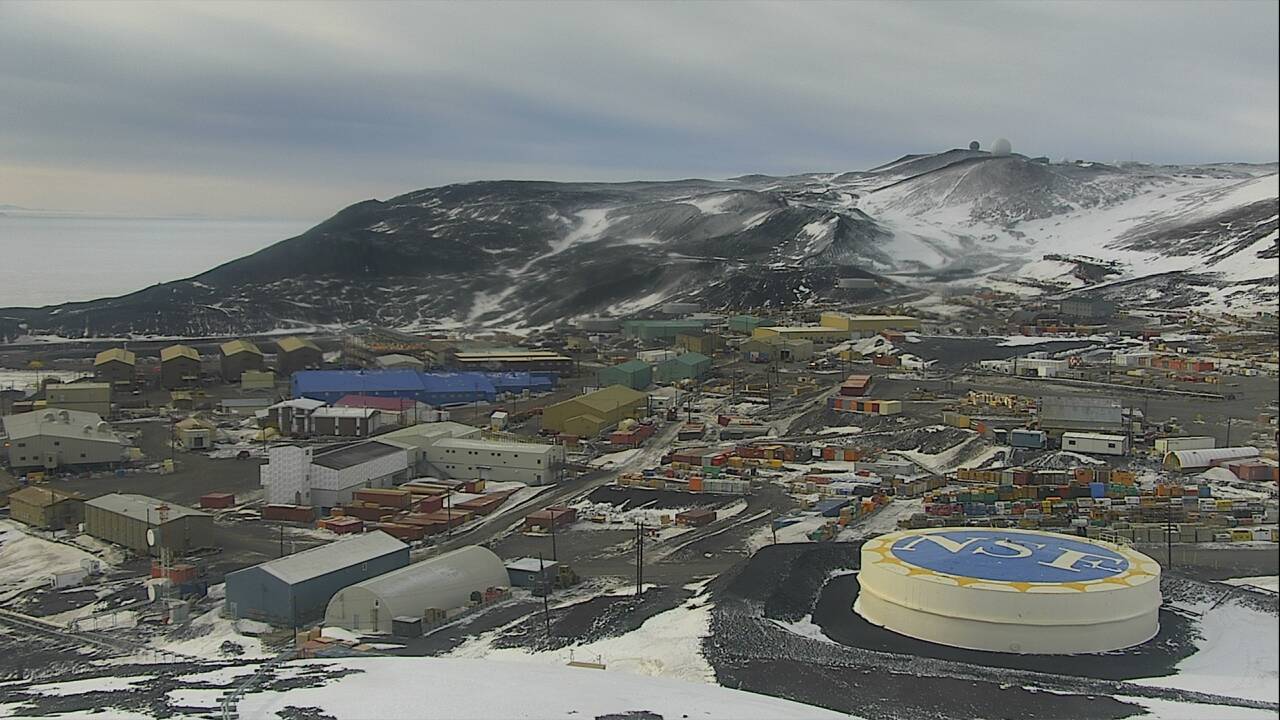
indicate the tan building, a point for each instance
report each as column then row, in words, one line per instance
column 238, row 356
column 588, row 415
column 116, row 366
column 46, row 508
column 295, row 353
column 145, row 525
column 179, row 367
column 50, row 439
column 257, row 380
column 705, row 343
column 195, row 433
column 819, row 335
column 868, row 324
column 779, row 349
column 85, row 397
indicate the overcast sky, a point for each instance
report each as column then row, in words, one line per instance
column 295, row 110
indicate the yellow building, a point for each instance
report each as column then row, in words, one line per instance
column 817, row 334
column 588, row 415
column 868, row 323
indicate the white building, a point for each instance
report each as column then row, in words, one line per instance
column 299, row 476
column 446, row 582
column 454, row 450
column 56, row 438
column 1095, row 443
column 1042, row 367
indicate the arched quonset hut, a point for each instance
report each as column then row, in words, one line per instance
column 445, row 582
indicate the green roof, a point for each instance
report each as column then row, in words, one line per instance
column 690, row 358
column 632, row 366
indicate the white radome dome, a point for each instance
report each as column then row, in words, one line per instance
column 1001, row 147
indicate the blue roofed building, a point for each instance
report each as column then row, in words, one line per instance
column 518, row 382
column 331, row 385
column 432, row 388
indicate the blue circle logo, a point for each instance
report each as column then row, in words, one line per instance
column 993, row 554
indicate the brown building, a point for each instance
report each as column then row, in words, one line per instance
column 179, row 367
column 46, row 509
column 295, row 353
column 345, row 421
column 239, row 356
column 696, row 517
column 116, row 366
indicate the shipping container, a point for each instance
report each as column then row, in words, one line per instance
column 217, row 500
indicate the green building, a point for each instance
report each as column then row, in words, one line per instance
column 745, row 324
column 632, row 373
column 689, row 366
column 659, row 329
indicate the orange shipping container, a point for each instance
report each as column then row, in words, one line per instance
column 695, row 484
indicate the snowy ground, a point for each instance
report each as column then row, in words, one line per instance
column 27, row 379
column 1269, row 583
column 464, row 689
column 667, row 645
column 26, row 562
column 1238, row 655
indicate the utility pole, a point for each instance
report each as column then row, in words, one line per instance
column 1228, row 431
column 554, row 555
column 546, row 590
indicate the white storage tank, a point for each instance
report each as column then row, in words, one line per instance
column 1006, row 590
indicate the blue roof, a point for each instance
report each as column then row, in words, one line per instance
column 331, row 381
column 1010, row 555
column 446, row 382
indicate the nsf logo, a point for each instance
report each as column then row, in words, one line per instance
column 993, row 554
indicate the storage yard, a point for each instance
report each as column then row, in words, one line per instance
column 691, row 497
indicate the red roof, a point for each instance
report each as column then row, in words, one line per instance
column 392, row 404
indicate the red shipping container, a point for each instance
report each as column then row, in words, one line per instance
column 369, row 513
column 431, row 504
column 828, row 453
column 342, row 525
column 217, row 500
column 483, row 505
column 403, row 532
column 289, row 513
column 386, row 497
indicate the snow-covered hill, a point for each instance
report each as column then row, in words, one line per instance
column 528, row 254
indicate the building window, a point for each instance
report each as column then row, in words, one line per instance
column 56, row 443
column 22, row 444
column 81, row 454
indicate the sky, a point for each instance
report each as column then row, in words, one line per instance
column 295, row 110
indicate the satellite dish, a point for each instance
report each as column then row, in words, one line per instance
column 975, row 145
column 151, row 537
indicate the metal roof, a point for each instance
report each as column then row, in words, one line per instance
column 115, row 355
column 530, row 564
column 690, row 358
column 611, row 398
column 174, row 352
column 357, row 381
column 335, row 556
column 42, row 496
column 141, row 507
column 293, row 343
column 341, row 412
column 632, row 366
column 478, row 356
column 232, row 347
column 1208, row 456
column 57, row 422
column 356, row 454
column 495, row 445
column 393, row 404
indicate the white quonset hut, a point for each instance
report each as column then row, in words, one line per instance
column 1005, row 590
column 444, row 583
column 1201, row 459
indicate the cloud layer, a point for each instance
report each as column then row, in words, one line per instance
column 293, row 109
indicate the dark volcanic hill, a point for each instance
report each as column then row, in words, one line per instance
column 525, row 254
